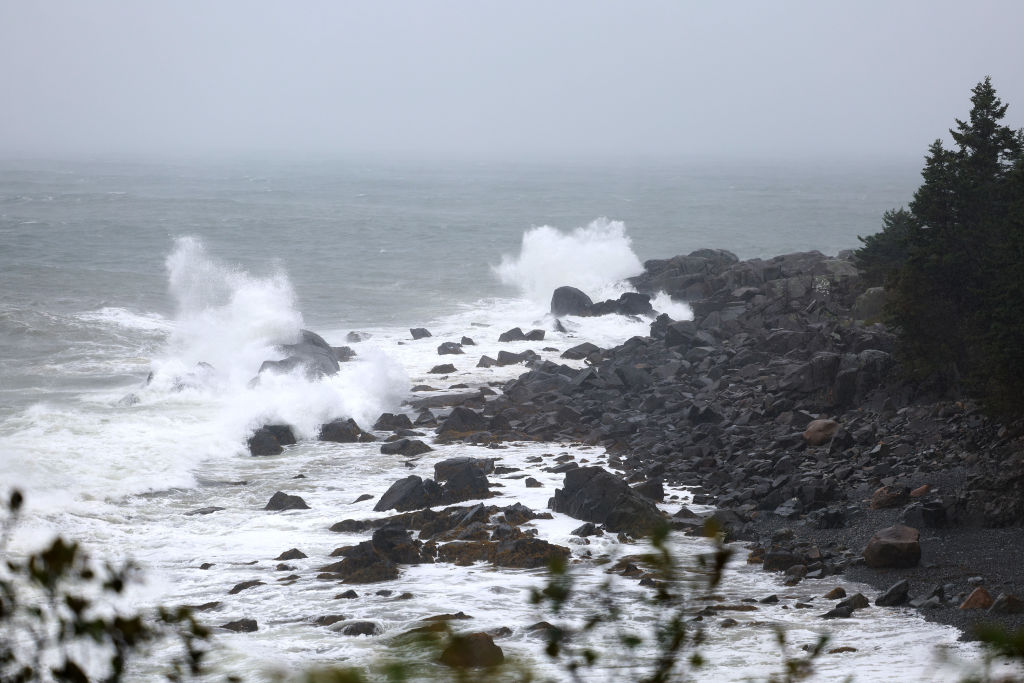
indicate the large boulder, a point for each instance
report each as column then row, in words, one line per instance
column 407, row 447
column 314, row 355
column 283, row 501
column 392, row 421
column 570, row 301
column 363, row 563
column 464, row 478
column 896, row 546
column 472, row 650
column 344, row 431
column 462, row 420
column 411, row 493
column 594, row 495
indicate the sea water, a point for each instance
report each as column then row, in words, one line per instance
column 137, row 302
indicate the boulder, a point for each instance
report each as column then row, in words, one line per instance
column 443, row 369
column 361, row 628
column 820, row 431
column 419, row 333
column 594, row 495
column 472, row 650
column 406, row 447
column 293, row 554
column 896, row 546
column 515, row 334
column 392, row 421
column 462, row 420
column 363, row 563
column 570, row 301
column 241, row 626
column 283, row 501
column 263, row 442
column 314, row 355
column 889, row 497
column 486, row 362
column 897, row 594
column 1007, row 604
column 535, row 335
column 581, row 351
column 465, row 478
column 449, row 348
column 411, row 493
column 446, row 469
column 344, row 431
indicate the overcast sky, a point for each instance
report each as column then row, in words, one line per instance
column 499, row 79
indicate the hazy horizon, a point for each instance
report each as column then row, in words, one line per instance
column 574, row 82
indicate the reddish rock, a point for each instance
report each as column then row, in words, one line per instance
column 820, row 431
column 889, row 497
column 978, row 599
column 921, row 491
column 895, row 546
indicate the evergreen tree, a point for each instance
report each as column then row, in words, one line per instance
column 954, row 264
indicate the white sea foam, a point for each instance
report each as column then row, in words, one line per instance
column 591, row 258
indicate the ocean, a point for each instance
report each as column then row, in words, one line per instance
column 117, row 279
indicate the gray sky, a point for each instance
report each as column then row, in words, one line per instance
column 499, row 79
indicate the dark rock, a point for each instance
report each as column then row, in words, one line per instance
column 449, row 348
column 241, row 626
column 411, row 493
column 838, row 613
column 588, row 529
column 361, row 628
column 462, row 420
column 652, row 488
column 392, row 422
column 204, row 511
column 405, row 447
column 328, row 619
column 263, row 442
column 890, row 497
column 344, row 431
column 467, row 341
column 311, row 353
column 486, row 362
column 1007, row 604
column 343, row 354
column 515, row 334
column 897, row 594
column 245, row 585
column 283, row 501
column 347, row 595
column 581, row 351
column 443, row 369
column 855, row 601
column 570, row 301
column 896, row 546
column 595, row 495
column 532, row 483
column 472, row 650
column 363, row 563
column 419, row 333
column 293, row 554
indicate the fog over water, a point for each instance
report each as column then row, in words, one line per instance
column 498, row 80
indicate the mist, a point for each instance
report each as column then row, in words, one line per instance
column 487, row 80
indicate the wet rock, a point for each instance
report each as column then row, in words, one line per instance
column 581, row 351
column 838, row 613
column 361, row 498
column 855, row 601
column 204, row 511
column 467, row 341
column 588, row 529
column 283, row 501
column 652, row 488
column 263, row 442
column 410, row 493
column 293, row 554
column 241, row 626
column 311, row 353
column 245, row 585
column 897, row 594
column 472, row 650
column 486, row 362
column 392, row 422
column 462, row 420
column 405, row 447
column 443, row 369
column 328, row 619
column 532, row 483
column 347, row 595
column 363, row 563
column 570, row 301
column 595, row 495
column 419, row 333
column 449, row 349
column 344, row 431
column 896, row 546
column 361, row 628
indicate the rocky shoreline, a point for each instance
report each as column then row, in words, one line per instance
column 780, row 404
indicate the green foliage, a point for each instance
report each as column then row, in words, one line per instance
column 953, row 263
column 57, row 617
column 884, row 253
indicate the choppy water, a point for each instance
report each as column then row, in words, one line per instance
column 109, row 272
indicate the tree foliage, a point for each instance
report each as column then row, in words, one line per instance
column 953, row 263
